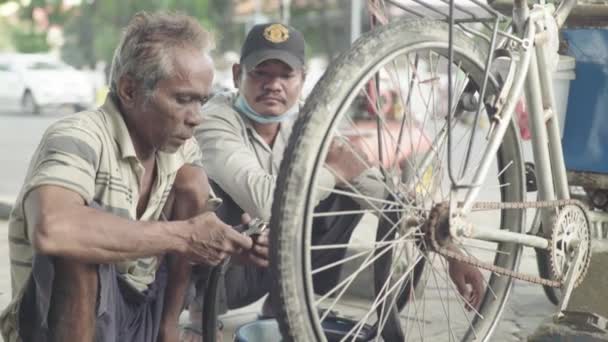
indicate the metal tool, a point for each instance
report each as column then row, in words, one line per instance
column 254, row 227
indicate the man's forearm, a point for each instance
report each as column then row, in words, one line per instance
column 93, row 236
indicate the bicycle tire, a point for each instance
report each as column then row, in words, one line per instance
column 545, row 270
column 291, row 208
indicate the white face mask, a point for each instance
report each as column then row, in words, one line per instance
column 243, row 107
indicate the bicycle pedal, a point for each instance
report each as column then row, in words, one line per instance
column 588, row 321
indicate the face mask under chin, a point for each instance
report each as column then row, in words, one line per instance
column 244, row 108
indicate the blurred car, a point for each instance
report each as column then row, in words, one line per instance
column 30, row 82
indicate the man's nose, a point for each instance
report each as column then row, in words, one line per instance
column 194, row 117
column 273, row 84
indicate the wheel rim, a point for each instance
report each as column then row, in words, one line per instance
column 447, row 308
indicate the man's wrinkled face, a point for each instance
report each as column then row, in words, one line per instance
column 168, row 117
column 271, row 88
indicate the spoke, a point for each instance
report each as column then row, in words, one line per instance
column 361, row 196
column 348, row 280
column 385, row 126
column 498, row 186
column 376, row 303
column 458, row 85
column 486, row 282
column 339, row 262
column 355, row 212
column 462, row 301
column 504, row 169
column 421, row 329
column 352, row 245
column 355, row 128
column 389, row 278
column 352, row 187
column 376, row 177
column 407, row 104
column 443, row 305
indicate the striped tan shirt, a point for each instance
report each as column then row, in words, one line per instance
column 91, row 153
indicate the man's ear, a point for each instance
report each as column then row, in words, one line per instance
column 236, row 74
column 127, row 88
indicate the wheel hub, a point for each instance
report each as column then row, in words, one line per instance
column 438, row 224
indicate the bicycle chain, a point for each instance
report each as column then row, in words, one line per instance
column 435, row 216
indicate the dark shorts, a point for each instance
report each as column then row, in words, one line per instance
column 123, row 313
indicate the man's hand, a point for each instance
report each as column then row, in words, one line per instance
column 210, row 241
column 469, row 282
column 347, row 161
column 258, row 254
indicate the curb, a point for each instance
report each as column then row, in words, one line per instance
column 550, row 331
column 5, row 207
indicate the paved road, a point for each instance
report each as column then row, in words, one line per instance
column 19, row 136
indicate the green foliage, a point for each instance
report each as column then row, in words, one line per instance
column 93, row 33
column 5, row 40
column 93, row 29
column 29, row 41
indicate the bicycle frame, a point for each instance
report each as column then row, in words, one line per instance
column 531, row 76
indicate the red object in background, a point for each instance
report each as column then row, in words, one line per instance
column 384, row 104
column 521, row 115
column 365, row 136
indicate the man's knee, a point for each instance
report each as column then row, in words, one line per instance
column 189, row 194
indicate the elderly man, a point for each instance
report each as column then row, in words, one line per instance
column 92, row 258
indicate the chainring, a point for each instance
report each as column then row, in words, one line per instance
column 571, row 231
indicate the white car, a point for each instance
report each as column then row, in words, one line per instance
column 29, row 82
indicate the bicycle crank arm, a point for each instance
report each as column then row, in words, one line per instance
column 569, row 283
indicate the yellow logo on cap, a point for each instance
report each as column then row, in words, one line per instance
column 276, row 33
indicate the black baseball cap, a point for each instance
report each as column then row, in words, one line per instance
column 273, row 41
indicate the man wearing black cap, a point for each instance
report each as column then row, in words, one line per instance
column 243, row 137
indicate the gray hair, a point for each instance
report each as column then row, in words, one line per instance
column 147, row 43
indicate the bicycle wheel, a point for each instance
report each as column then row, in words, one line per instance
column 413, row 296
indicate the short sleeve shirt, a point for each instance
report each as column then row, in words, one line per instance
column 92, row 154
